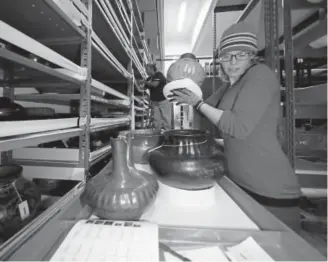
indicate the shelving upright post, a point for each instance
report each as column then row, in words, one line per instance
column 8, row 91
column 289, row 83
column 85, row 99
column 130, row 70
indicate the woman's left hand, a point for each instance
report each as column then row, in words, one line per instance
column 184, row 96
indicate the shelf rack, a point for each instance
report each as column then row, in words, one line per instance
column 68, row 49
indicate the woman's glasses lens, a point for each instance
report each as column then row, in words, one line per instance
column 239, row 57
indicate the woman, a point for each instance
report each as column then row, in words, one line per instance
column 246, row 112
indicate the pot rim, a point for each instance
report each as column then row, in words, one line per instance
column 186, row 132
column 141, row 132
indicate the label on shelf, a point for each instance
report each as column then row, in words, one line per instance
column 24, row 210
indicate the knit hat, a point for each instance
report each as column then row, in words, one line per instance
column 238, row 37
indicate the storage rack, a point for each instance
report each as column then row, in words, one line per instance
column 39, row 40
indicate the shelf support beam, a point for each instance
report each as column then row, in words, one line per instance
column 289, row 80
column 130, row 69
column 6, row 157
column 85, row 100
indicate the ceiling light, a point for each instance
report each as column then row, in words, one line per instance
column 182, row 15
column 314, row 1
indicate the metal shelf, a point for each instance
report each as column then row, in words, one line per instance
column 42, row 131
column 27, row 68
column 99, row 124
column 137, row 15
column 17, row 38
column 79, row 47
column 14, row 142
column 122, row 10
column 60, row 157
column 14, row 128
column 53, row 98
column 107, row 26
column 104, row 26
column 105, row 64
column 53, row 172
column 42, row 19
column 100, row 154
column 102, row 59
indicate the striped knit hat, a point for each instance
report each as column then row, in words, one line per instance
column 238, row 37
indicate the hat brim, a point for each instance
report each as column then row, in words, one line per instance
column 239, row 48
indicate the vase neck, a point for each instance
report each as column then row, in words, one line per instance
column 121, row 154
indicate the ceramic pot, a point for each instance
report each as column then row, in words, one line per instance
column 10, row 111
column 187, row 160
column 124, row 192
column 45, row 186
column 142, row 140
column 178, row 70
column 14, row 189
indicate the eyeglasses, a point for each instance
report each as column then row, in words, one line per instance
column 241, row 56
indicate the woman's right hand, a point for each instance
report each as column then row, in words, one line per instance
column 222, row 75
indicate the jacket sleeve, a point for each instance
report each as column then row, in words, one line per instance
column 256, row 94
column 213, row 99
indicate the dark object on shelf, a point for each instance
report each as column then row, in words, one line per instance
column 142, row 141
column 10, row 111
column 99, row 165
column 45, row 186
column 53, row 144
column 123, row 193
column 14, row 191
column 188, row 159
column 40, row 113
column 95, row 142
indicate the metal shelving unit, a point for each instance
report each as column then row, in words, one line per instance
column 83, row 49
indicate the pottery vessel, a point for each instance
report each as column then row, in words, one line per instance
column 10, row 111
column 122, row 193
column 178, row 70
column 188, row 159
column 45, row 186
column 14, row 189
column 142, row 140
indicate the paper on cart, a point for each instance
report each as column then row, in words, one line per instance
column 248, row 250
column 107, row 240
column 199, row 254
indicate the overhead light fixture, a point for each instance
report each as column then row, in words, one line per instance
column 182, row 15
column 315, row 1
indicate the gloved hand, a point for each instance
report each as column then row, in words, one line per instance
column 184, row 96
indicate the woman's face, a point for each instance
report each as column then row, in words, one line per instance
column 235, row 63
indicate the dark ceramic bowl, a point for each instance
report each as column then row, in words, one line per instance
column 142, row 141
column 10, row 172
column 187, row 160
column 10, row 111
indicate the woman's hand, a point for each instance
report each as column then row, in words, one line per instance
column 184, row 96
